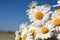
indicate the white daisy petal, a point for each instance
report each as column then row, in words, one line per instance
column 29, row 38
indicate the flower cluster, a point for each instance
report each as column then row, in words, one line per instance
column 44, row 23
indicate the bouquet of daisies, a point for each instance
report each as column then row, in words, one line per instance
column 45, row 23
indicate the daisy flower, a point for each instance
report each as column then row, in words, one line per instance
column 56, row 20
column 23, row 26
column 45, row 31
column 24, row 34
column 17, row 36
column 31, row 7
column 40, row 14
column 23, row 30
column 32, row 31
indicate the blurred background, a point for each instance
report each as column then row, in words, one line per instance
column 13, row 13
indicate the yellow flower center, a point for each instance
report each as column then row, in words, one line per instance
column 57, row 22
column 44, row 30
column 24, row 36
column 39, row 15
column 20, row 38
column 33, row 32
column 58, row 10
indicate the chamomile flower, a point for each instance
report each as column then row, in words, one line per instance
column 23, row 26
column 17, row 35
column 45, row 31
column 32, row 31
column 56, row 20
column 40, row 15
column 23, row 30
column 31, row 7
column 24, row 34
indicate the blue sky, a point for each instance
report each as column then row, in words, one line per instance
column 13, row 12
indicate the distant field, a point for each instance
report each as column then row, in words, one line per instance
column 6, row 36
column 11, row 36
